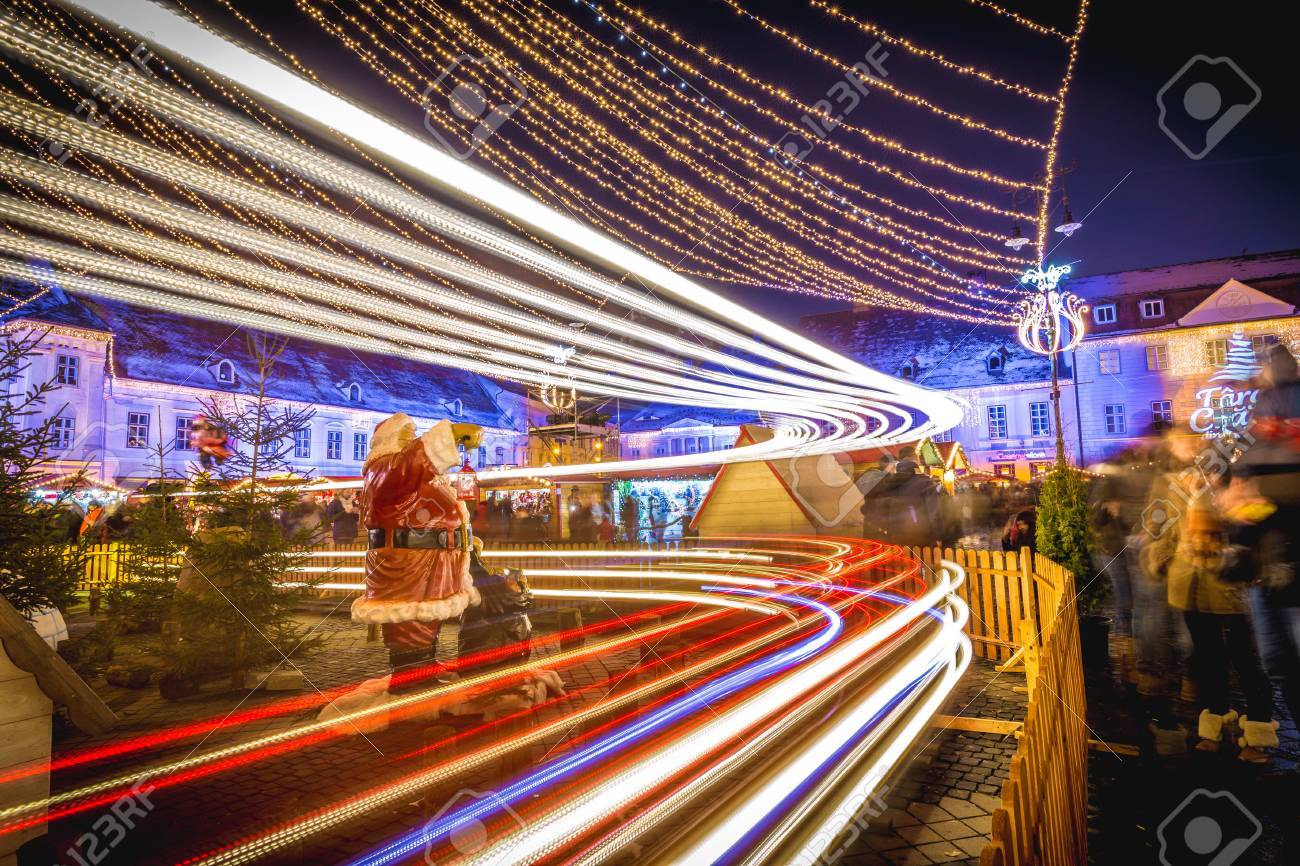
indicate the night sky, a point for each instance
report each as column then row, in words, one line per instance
column 1153, row 204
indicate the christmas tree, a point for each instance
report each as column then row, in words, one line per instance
column 1241, row 365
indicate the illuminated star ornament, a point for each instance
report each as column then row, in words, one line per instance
column 1050, row 321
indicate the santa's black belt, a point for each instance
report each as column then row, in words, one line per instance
column 423, row 539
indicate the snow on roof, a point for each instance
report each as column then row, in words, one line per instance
column 656, row 416
column 172, row 349
column 1210, row 273
column 945, row 353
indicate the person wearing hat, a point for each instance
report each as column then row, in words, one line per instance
column 418, row 532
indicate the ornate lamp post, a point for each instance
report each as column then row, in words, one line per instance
column 1049, row 323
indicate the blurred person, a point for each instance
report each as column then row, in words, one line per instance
column 1189, row 555
column 342, row 517
column 1266, row 509
column 305, row 520
column 872, row 484
column 908, row 506
column 631, row 518
column 1021, row 531
column 605, row 529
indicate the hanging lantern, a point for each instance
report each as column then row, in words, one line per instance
column 1017, row 240
column 467, row 482
column 1069, row 226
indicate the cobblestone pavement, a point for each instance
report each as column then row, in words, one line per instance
column 1131, row 797
column 939, row 805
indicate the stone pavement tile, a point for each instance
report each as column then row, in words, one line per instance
column 885, row 841
column 897, row 818
column 952, row 829
column 918, row 834
column 868, row 859
column 982, row 824
column 960, row 808
column 986, row 802
column 942, row 852
column 972, row 845
column 907, row 857
column 927, row 812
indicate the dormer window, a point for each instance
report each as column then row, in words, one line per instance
column 908, row 370
column 1152, row 308
column 1103, row 314
column 226, row 373
column 354, row 393
column 457, row 407
column 996, row 361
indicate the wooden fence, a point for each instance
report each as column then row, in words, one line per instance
column 1043, row 817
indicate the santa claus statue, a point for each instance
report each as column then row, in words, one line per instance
column 417, row 565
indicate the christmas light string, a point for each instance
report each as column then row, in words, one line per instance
column 355, row 24
column 798, row 226
column 920, row 51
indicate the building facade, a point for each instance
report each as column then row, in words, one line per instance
column 1172, row 347
column 1008, row 427
column 130, row 378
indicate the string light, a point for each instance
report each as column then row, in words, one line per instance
column 891, row 39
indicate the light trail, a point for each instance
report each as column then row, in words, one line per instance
column 827, row 617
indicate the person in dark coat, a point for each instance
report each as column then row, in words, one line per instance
column 342, row 517
column 907, row 504
column 1265, row 519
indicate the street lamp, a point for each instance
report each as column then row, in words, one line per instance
column 1049, row 323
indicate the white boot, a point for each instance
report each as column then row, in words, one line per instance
column 1257, row 740
column 1210, row 729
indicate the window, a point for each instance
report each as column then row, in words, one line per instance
column 676, row 446
column 181, row 439
column 997, row 422
column 65, row 430
column 269, row 448
column 354, row 393
column 873, row 424
column 908, row 370
column 1038, row 469
column 1162, row 414
column 1108, row 361
column 704, row 444
column 945, row 436
column 1040, row 423
column 1115, row 418
column 457, row 407
column 1152, row 308
column 659, row 450
column 137, row 429
column 995, row 362
column 1216, row 352
column 691, row 444
column 1004, row 470
column 359, row 443
column 67, row 369
column 302, row 443
column 500, row 454
column 1261, row 343
column 1158, row 357
column 1103, row 314
column 226, row 372
column 333, row 444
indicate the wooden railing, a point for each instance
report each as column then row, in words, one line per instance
column 1043, row 817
